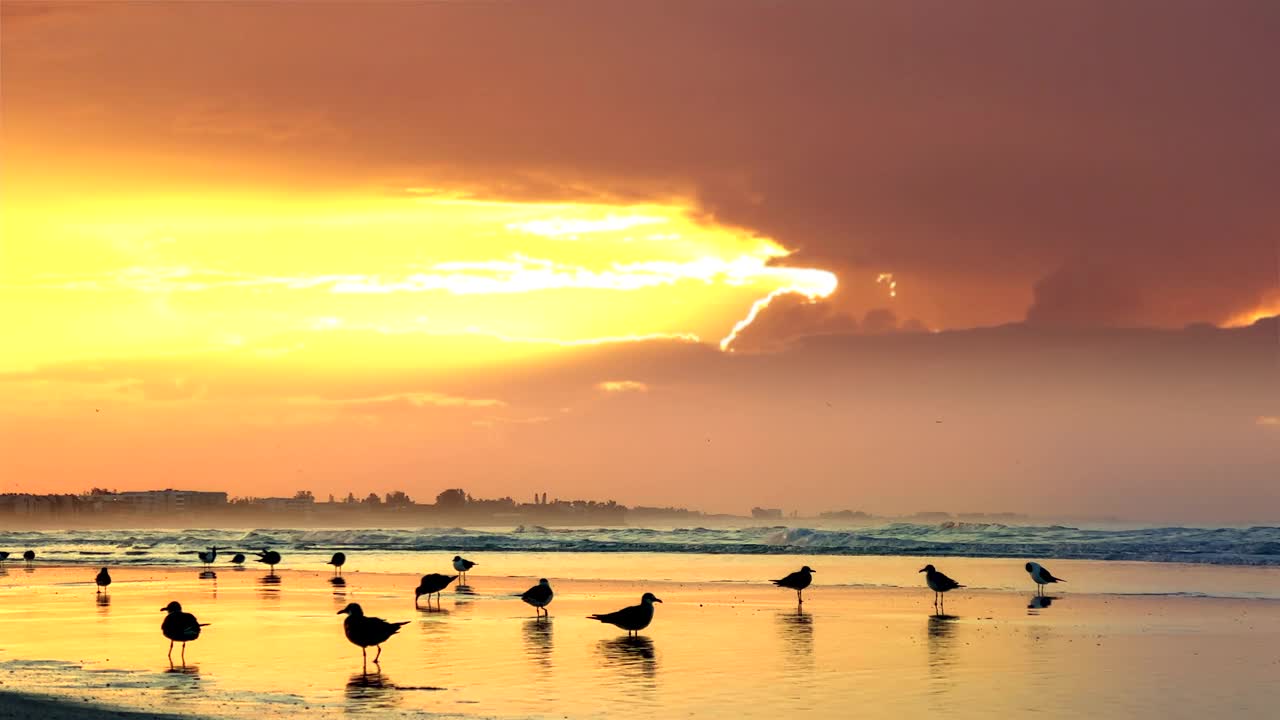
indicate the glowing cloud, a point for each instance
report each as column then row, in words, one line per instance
column 622, row 386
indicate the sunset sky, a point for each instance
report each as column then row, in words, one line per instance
column 717, row 253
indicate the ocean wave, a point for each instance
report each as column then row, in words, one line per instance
column 1219, row 546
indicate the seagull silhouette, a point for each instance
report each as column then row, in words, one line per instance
column 798, row 581
column 103, row 579
column 180, row 627
column 270, row 557
column 432, row 584
column 1041, row 575
column 338, row 560
column 938, row 583
column 365, row 631
column 539, row 596
column 632, row 619
column 462, row 565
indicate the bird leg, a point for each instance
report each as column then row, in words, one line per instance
column 375, row 657
column 184, row 654
column 170, row 652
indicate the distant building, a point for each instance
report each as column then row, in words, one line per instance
column 170, row 501
column 766, row 513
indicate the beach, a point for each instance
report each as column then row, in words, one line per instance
column 275, row 647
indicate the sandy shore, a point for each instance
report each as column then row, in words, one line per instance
column 20, row 706
column 275, row 649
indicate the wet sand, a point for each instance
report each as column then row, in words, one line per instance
column 275, row 648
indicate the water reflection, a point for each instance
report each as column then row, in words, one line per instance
column 941, row 644
column 269, row 587
column 797, row 628
column 1038, row 603
column 633, row 656
column 537, row 641
column 104, row 603
column 182, row 680
column 339, row 589
column 372, row 691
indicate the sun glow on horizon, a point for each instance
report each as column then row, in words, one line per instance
column 105, row 279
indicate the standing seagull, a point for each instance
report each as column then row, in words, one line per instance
column 797, row 581
column 938, row 583
column 1041, row 575
column 539, row 596
column 632, row 619
column 270, row 557
column 208, row 556
column 338, row 560
column 238, row 560
column 462, row 565
column 180, row 627
column 29, row 556
column 366, row 631
column 432, row 584
column 103, row 579
column 4, row 555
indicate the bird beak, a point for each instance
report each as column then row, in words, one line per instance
column 921, row 570
column 342, row 611
column 656, row 600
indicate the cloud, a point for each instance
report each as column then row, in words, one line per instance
column 622, row 386
column 405, row 400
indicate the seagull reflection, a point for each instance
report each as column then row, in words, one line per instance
column 181, row 682
column 1038, row 603
column 537, row 641
column 208, row 575
column 941, row 643
column 797, row 630
column 372, row 691
column 269, row 586
column 633, row 655
column 104, row 602
column 338, row 581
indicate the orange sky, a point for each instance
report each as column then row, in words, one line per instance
column 254, row 247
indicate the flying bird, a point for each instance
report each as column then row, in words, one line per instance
column 462, row 565
column 632, row 619
column 270, row 557
column 180, row 627
column 798, row 581
column 103, row 579
column 432, row 584
column 539, row 596
column 938, row 583
column 365, row 631
column 338, row 560
column 1041, row 575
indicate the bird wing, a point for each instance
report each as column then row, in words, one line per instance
column 947, row 582
column 537, row 593
column 791, row 580
column 1048, row 576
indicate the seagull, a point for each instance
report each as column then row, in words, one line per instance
column 797, row 581
column 180, row 627
column 29, row 556
column 207, row 557
column 366, row 631
column 238, row 559
column 270, row 557
column 539, row 596
column 103, row 579
column 462, row 565
column 337, row 562
column 4, row 555
column 938, row 582
column 632, row 619
column 1041, row 575
column 432, row 584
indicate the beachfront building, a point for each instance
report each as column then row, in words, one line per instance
column 170, row 501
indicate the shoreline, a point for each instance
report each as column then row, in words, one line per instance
column 26, row 705
column 276, row 649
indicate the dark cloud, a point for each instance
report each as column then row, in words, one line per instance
column 976, row 150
